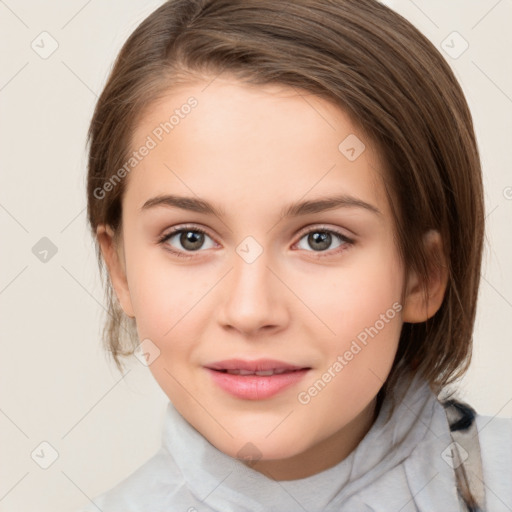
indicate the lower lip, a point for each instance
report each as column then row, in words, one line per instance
column 255, row 387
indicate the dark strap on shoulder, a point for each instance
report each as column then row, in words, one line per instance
column 465, row 457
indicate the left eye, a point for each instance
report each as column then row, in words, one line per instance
column 321, row 239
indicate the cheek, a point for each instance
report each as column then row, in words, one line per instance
column 361, row 304
column 365, row 314
column 162, row 292
column 171, row 304
column 374, row 306
column 352, row 297
column 169, row 312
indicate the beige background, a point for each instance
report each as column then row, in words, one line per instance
column 56, row 385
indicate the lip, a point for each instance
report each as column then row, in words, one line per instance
column 255, row 387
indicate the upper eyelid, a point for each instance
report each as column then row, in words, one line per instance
column 180, row 229
column 322, row 227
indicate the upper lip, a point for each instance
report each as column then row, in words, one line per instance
column 253, row 366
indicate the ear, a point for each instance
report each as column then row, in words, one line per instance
column 113, row 256
column 423, row 299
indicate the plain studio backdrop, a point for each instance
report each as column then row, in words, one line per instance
column 71, row 426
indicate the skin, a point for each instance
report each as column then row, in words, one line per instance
column 252, row 150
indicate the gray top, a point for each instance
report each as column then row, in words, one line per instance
column 404, row 464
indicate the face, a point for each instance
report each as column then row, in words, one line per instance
column 292, row 265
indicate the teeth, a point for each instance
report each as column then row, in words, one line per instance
column 265, row 372
column 261, row 373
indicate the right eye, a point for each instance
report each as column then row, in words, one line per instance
column 191, row 240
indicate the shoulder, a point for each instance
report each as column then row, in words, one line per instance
column 495, row 438
column 149, row 487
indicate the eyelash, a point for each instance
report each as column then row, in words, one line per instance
column 319, row 229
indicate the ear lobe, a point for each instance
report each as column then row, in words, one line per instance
column 115, row 265
column 424, row 298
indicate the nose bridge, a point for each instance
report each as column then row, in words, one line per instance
column 253, row 299
column 251, row 271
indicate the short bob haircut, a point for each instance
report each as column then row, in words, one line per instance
column 373, row 64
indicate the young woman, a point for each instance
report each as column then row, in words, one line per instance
column 288, row 200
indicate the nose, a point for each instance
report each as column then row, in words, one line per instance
column 254, row 298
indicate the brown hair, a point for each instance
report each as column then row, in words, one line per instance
column 369, row 61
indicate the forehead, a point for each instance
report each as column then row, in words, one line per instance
column 251, row 145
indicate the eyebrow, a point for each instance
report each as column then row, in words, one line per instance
column 293, row 210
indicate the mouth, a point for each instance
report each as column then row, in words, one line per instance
column 255, row 366
column 255, row 380
column 261, row 373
